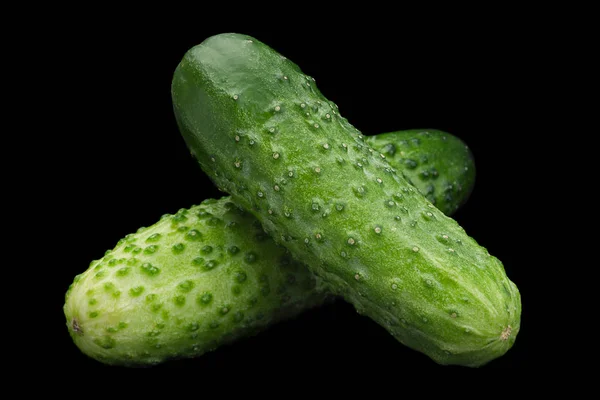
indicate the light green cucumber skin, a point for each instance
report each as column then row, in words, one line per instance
column 135, row 342
column 319, row 190
column 120, row 314
column 441, row 166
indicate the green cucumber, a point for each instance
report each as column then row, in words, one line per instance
column 439, row 165
column 264, row 133
column 191, row 282
column 120, row 312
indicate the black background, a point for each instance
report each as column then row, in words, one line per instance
column 121, row 163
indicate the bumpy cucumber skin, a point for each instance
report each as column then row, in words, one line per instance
column 132, row 341
column 439, row 165
column 195, row 280
column 264, row 133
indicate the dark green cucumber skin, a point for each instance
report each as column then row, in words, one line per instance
column 225, row 282
column 441, row 166
column 319, row 190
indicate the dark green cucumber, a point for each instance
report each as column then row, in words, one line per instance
column 264, row 133
column 439, row 165
column 121, row 313
column 188, row 284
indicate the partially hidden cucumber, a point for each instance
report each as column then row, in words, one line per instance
column 191, row 282
column 263, row 132
column 439, row 165
column 209, row 275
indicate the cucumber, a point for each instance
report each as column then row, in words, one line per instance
column 191, row 282
column 439, row 165
column 264, row 133
column 155, row 296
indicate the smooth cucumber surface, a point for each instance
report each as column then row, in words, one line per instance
column 264, row 133
column 154, row 296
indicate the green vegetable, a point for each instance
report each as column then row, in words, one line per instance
column 264, row 133
column 191, row 282
column 439, row 165
column 164, row 292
